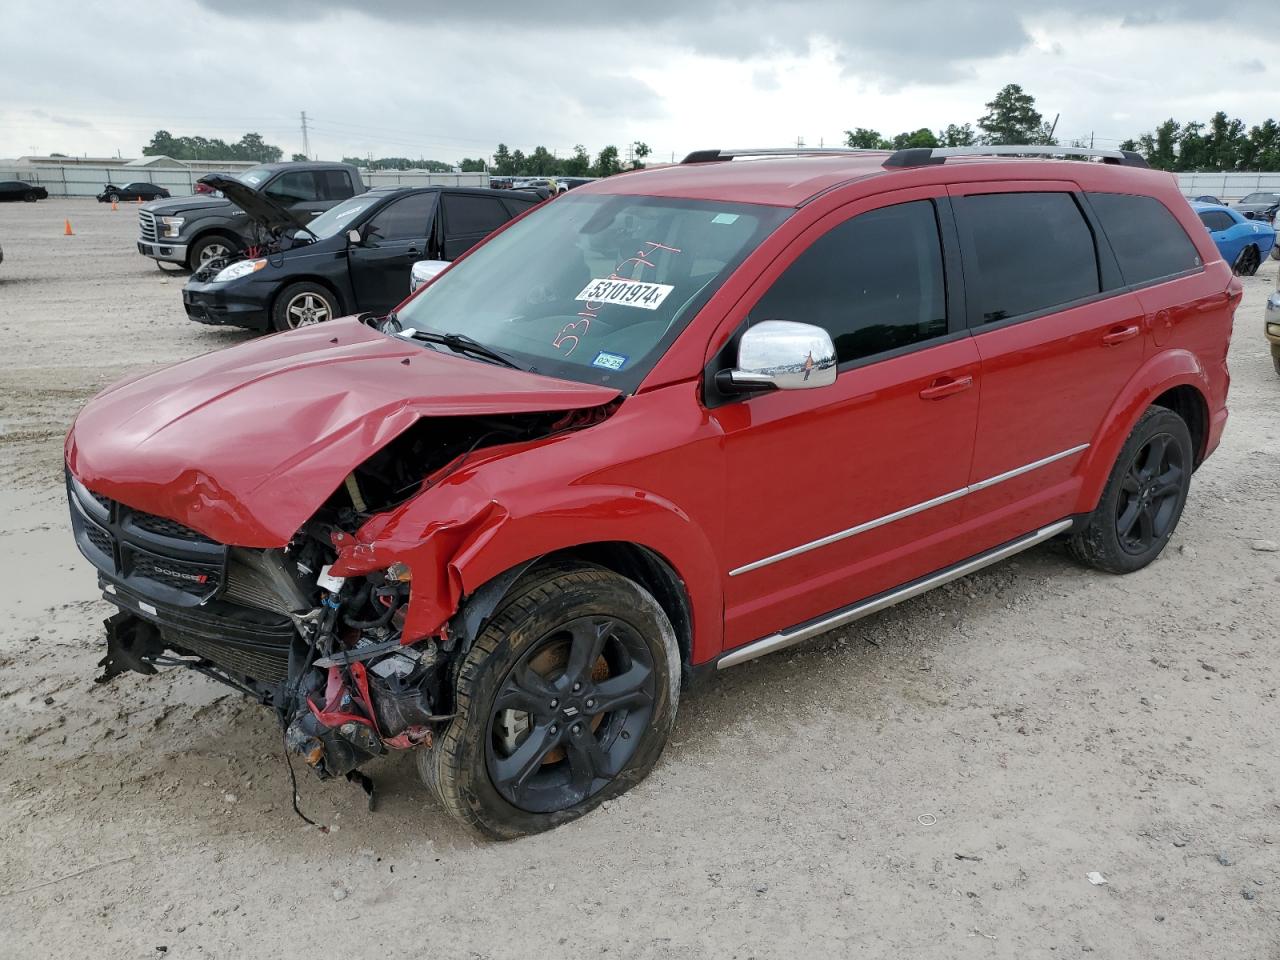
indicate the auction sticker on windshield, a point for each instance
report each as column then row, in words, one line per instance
column 625, row 293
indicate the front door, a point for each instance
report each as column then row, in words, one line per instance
column 395, row 238
column 468, row 219
column 841, row 492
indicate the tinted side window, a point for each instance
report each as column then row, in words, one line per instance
column 464, row 214
column 336, row 184
column 874, row 282
column 1147, row 239
column 518, row 205
column 1025, row 253
column 297, row 187
column 408, row 218
column 1216, row 220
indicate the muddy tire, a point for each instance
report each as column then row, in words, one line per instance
column 1143, row 499
column 565, row 700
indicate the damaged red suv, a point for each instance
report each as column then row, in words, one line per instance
column 670, row 422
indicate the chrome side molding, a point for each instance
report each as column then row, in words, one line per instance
column 794, row 635
column 908, row 511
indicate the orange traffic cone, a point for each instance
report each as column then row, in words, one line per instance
column 113, row 205
column 66, row 231
column 139, row 200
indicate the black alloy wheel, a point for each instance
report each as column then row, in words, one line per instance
column 568, row 717
column 1150, row 492
column 1248, row 262
column 1143, row 498
column 564, row 700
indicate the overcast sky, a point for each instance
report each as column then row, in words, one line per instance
column 447, row 80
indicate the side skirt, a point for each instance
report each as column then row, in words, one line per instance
column 863, row 608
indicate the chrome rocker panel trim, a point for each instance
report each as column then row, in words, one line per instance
column 797, row 634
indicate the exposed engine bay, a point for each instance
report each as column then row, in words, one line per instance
column 327, row 653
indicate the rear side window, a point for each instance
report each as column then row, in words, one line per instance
column 1025, row 253
column 518, row 205
column 1147, row 239
column 875, row 283
column 336, row 184
column 405, row 219
column 465, row 215
column 1216, row 220
column 297, row 187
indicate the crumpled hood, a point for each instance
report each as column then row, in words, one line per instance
column 245, row 444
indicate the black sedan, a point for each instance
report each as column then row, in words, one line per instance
column 11, row 190
column 132, row 191
column 353, row 258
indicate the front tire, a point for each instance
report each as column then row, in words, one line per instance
column 1275, row 357
column 210, row 248
column 30, row 196
column 565, row 700
column 1143, row 499
column 301, row 305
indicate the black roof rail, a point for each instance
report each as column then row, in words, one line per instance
column 713, row 156
column 928, row 156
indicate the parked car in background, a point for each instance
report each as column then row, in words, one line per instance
column 11, row 190
column 1209, row 199
column 356, row 257
column 202, row 187
column 194, row 230
column 1262, row 205
column 662, row 426
column 1243, row 243
column 1271, row 326
column 132, row 191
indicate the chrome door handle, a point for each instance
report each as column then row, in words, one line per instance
column 945, row 387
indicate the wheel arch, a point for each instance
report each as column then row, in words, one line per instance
column 214, row 230
column 1175, row 379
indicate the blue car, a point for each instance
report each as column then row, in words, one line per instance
column 1243, row 243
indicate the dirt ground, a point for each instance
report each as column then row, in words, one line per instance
column 935, row 781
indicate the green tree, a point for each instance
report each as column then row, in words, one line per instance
column 471, row 165
column 915, row 138
column 542, row 163
column 1012, row 117
column 503, row 165
column 957, row 136
column 519, row 163
column 865, row 139
column 639, row 150
column 578, row 165
column 607, row 163
column 299, row 156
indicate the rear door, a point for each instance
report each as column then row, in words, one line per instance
column 837, row 493
column 1058, row 335
column 468, row 219
column 395, row 238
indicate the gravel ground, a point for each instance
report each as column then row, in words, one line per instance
column 937, row 781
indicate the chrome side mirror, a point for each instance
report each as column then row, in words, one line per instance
column 354, row 238
column 425, row 270
column 782, row 355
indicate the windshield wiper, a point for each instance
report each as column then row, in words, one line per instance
column 461, row 343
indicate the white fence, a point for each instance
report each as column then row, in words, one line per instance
column 77, row 180
column 1227, row 186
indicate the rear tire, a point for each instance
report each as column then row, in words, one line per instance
column 1143, row 499
column 1275, row 357
column 567, row 641
column 303, row 304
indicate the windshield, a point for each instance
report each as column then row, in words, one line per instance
column 253, row 176
column 593, row 288
column 339, row 218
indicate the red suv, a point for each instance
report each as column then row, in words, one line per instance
column 670, row 422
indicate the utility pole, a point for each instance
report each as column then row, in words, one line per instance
column 306, row 142
column 799, row 142
column 1055, row 125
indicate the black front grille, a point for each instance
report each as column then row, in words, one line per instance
column 165, row 527
column 158, row 557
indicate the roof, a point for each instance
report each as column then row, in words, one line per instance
column 782, row 182
column 791, row 181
